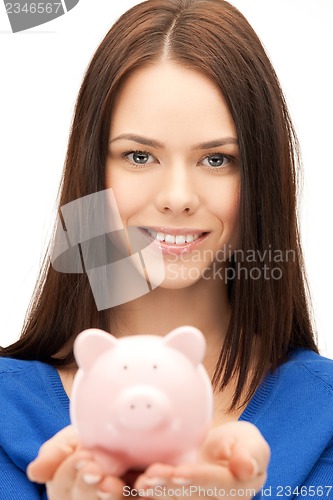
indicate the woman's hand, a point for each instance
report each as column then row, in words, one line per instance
column 234, row 460
column 70, row 473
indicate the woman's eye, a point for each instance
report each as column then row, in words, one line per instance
column 216, row 160
column 139, row 157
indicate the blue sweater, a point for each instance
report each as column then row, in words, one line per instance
column 293, row 408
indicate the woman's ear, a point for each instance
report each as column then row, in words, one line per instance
column 189, row 341
column 90, row 344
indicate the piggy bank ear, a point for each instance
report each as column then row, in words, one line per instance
column 90, row 344
column 189, row 341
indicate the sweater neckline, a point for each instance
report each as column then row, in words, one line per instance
column 261, row 397
column 53, row 385
column 252, row 410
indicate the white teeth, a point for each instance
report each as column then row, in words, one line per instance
column 180, row 240
column 171, row 239
column 160, row 236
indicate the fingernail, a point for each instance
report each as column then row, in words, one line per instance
column 181, row 481
column 104, row 495
column 155, row 481
column 91, row 478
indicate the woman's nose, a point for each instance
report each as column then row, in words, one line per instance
column 178, row 193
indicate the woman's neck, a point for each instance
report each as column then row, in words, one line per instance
column 204, row 305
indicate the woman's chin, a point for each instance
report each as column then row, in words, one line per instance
column 178, row 277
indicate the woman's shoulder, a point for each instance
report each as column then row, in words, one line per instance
column 13, row 365
column 12, row 369
column 31, row 388
column 307, row 364
column 293, row 409
column 27, row 381
column 20, row 378
column 299, row 386
column 31, row 399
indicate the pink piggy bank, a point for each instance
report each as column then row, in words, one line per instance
column 141, row 399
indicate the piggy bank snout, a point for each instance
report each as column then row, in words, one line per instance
column 142, row 407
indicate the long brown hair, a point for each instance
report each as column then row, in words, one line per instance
column 213, row 37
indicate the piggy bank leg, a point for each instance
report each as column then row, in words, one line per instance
column 112, row 465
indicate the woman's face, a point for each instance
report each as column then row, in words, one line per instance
column 173, row 165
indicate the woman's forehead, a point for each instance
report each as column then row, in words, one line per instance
column 169, row 100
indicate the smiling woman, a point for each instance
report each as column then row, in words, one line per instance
column 181, row 114
column 188, row 178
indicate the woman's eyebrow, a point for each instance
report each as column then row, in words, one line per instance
column 139, row 139
column 155, row 144
column 216, row 143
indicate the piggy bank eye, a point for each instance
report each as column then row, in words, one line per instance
column 125, row 367
column 155, row 367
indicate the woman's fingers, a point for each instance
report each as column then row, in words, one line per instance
column 111, row 487
column 192, row 480
column 234, row 458
column 204, row 474
column 90, row 483
column 51, row 454
column 71, row 472
column 241, row 446
column 77, row 473
column 79, row 477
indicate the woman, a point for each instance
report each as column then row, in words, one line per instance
column 181, row 115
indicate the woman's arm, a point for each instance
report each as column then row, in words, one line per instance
column 320, row 481
column 14, row 483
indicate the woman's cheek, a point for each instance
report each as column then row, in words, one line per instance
column 129, row 194
column 226, row 209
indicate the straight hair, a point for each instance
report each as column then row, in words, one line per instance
column 271, row 315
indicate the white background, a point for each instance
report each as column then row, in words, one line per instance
column 41, row 71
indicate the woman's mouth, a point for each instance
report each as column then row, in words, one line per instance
column 175, row 240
